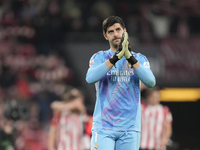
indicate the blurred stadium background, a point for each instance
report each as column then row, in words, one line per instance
column 45, row 46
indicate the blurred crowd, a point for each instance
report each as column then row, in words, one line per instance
column 51, row 20
column 33, row 68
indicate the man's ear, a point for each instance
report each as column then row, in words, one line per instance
column 124, row 29
column 105, row 36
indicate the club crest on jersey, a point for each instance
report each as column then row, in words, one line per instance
column 129, row 65
column 95, row 147
column 91, row 62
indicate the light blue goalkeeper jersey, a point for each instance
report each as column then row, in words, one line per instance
column 118, row 91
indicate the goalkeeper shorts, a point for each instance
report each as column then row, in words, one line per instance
column 115, row 140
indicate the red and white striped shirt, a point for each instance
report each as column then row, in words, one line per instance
column 152, row 125
column 70, row 129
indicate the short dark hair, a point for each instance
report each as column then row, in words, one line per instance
column 111, row 20
column 70, row 94
column 149, row 91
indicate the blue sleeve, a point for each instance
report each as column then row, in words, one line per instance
column 146, row 76
column 144, row 72
column 97, row 69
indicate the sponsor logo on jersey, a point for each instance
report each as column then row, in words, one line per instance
column 120, row 75
column 146, row 64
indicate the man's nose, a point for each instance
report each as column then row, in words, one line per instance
column 116, row 34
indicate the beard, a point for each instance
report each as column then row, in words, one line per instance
column 115, row 45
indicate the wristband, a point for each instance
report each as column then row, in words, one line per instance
column 113, row 59
column 132, row 60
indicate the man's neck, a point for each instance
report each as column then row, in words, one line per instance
column 113, row 49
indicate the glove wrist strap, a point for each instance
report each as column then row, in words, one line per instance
column 113, row 59
column 132, row 60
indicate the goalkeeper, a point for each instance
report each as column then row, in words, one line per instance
column 117, row 74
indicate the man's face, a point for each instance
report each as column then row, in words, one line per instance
column 154, row 98
column 114, row 34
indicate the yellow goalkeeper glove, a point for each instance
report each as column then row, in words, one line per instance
column 121, row 49
column 128, row 55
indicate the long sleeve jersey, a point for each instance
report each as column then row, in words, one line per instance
column 118, row 91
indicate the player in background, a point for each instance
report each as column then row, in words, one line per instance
column 68, row 123
column 117, row 74
column 156, row 122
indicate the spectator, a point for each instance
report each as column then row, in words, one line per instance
column 7, row 139
column 156, row 128
column 66, row 130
